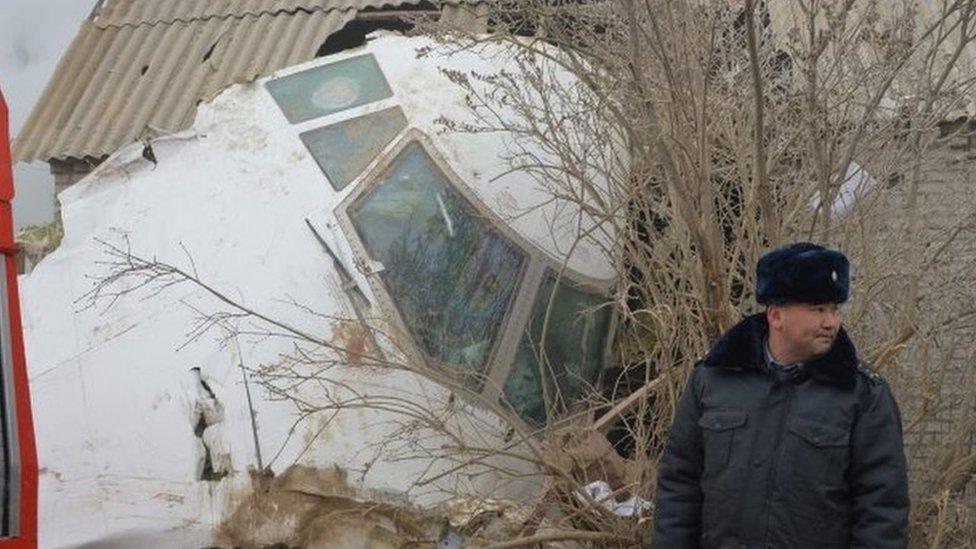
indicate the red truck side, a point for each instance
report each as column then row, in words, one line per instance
column 19, row 451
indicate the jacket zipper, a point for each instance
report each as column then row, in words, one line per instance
column 774, row 466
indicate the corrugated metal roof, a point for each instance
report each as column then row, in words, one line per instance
column 140, row 64
column 138, row 12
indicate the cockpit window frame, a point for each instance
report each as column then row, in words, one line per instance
column 500, row 358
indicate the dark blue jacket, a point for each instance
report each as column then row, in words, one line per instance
column 763, row 458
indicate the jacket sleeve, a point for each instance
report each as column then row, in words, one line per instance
column 677, row 503
column 878, row 474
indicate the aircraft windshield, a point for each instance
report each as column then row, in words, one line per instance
column 450, row 274
column 570, row 355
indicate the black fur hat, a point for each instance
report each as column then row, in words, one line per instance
column 802, row 273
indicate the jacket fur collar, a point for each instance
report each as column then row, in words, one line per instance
column 742, row 348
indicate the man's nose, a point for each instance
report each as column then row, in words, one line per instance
column 830, row 319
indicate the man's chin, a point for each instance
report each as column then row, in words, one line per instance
column 820, row 346
column 823, row 345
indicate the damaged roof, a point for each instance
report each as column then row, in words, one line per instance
column 151, row 12
column 137, row 66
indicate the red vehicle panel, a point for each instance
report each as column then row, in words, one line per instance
column 19, row 452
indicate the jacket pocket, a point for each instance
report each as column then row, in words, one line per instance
column 719, row 430
column 819, row 451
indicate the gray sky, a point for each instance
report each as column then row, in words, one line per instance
column 33, row 35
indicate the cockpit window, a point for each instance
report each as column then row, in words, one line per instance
column 450, row 274
column 344, row 150
column 569, row 357
column 328, row 89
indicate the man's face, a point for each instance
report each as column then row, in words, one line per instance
column 805, row 330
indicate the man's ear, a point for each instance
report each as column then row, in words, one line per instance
column 774, row 317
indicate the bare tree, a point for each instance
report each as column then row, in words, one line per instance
column 723, row 129
column 686, row 138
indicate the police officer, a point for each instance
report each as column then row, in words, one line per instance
column 782, row 437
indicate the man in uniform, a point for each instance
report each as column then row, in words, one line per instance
column 782, row 437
